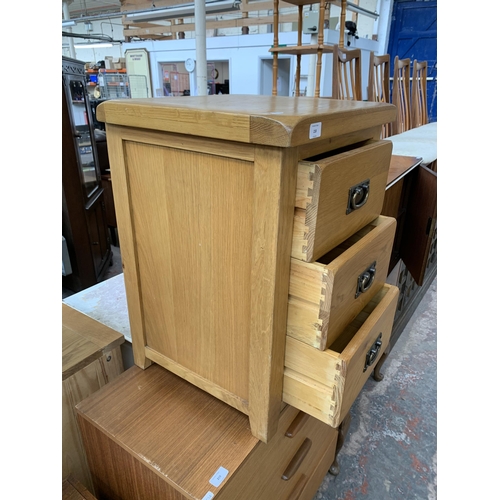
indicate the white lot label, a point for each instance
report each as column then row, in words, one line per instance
column 208, row 496
column 219, row 476
column 315, row 130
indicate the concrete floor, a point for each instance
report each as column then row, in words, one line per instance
column 390, row 449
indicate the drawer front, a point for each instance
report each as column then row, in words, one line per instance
column 325, row 296
column 324, row 384
column 294, row 452
column 337, row 196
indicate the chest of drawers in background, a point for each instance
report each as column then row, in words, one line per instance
column 227, row 207
column 91, row 357
column 152, row 435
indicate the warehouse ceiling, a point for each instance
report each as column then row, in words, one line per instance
column 84, row 8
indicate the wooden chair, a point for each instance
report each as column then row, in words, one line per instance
column 378, row 83
column 401, row 95
column 419, row 115
column 346, row 81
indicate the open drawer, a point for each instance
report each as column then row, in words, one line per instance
column 324, row 384
column 337, row 194
column 326, row 295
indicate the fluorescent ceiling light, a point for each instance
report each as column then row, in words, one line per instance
column 67, row 24
column 360, row 10
column 94, row 46
column 183, row 11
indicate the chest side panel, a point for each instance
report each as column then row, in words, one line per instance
column 192, row 219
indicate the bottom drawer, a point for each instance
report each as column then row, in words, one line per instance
column 313, row 483
column 324, row 384
column 280, row 469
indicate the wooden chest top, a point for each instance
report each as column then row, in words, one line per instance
column 253, row 119
column 84, row 340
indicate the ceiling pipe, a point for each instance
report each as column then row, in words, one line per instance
column 131, row 13
column 66, row 17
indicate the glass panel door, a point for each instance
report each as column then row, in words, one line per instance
column 80, row 114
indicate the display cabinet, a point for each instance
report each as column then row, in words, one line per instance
column 83, row 211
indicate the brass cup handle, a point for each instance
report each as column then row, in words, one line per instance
column 366, row 279
column 372, row 354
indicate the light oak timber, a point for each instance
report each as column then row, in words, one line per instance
column 324, row 384
column 274, row 188
column 128, row 249
column 204, row 192
column 340, row 141
column 321, row 219
column 267, row 120
column 192, row 377
column 322, row 296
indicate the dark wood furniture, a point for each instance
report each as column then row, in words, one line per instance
column 83, row 208
column 411, row 198
column 109, row 202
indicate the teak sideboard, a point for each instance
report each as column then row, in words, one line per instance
column 215, row 196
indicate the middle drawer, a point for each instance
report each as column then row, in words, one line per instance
column 326, row 295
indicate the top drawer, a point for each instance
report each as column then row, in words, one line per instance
column 338, row 195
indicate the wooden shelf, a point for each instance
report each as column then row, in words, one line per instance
column 302, row 49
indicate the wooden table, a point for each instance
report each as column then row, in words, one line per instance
column 399, row 167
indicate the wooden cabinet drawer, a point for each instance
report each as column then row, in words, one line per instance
column 327, row 210
column 325, row 296
column 294, row 453
column 324, row 384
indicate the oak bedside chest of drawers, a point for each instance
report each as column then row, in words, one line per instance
column 215, row 197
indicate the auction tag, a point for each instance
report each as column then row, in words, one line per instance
column 315, row 130
column 219, row 476
column 208, row 496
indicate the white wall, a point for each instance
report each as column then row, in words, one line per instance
column 243, row 52
column 245, row 55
